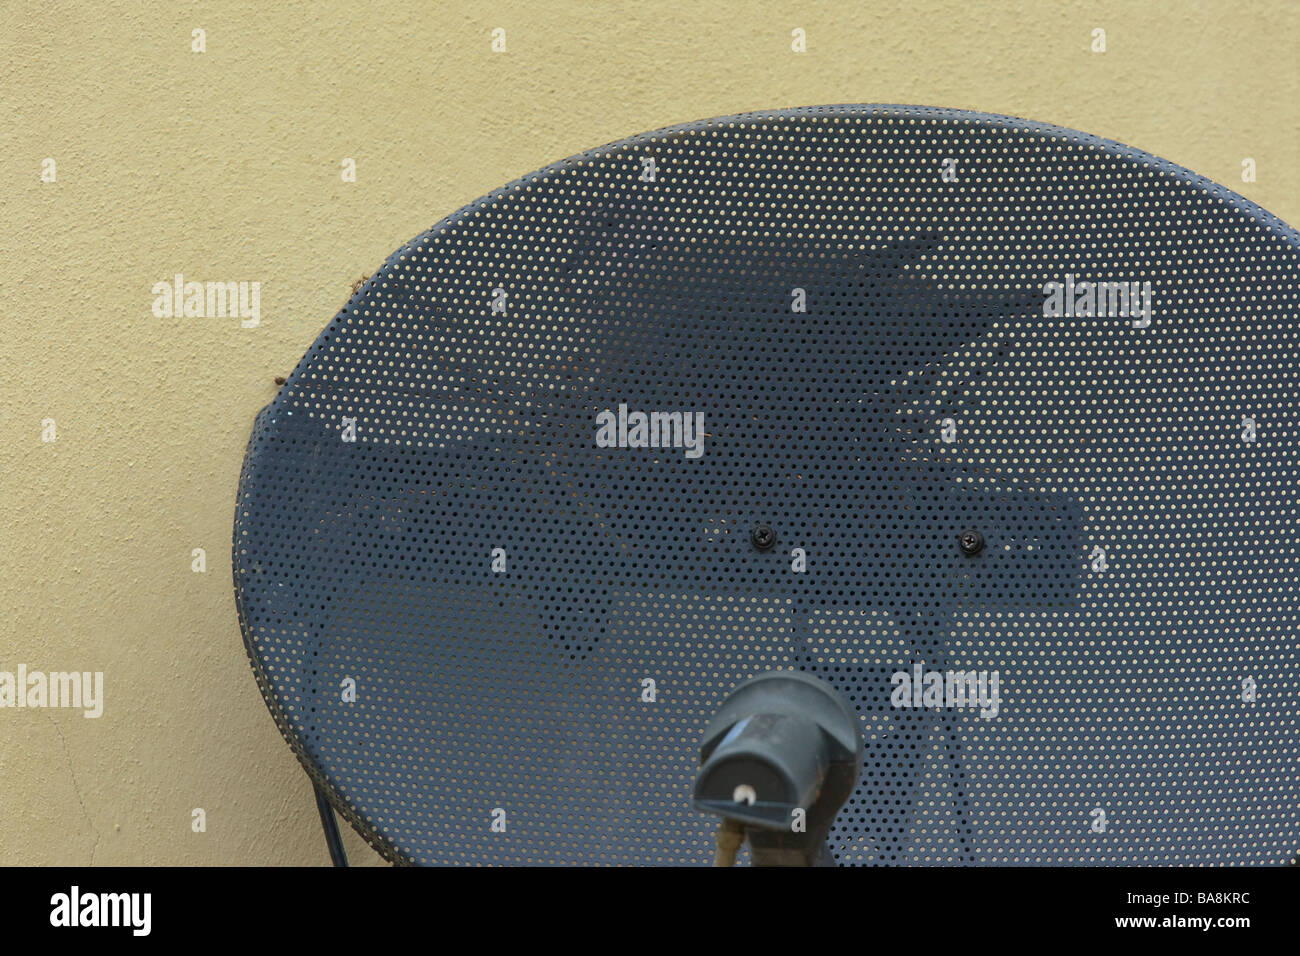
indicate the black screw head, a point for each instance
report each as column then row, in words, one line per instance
column 764, row 537
column 972, row 542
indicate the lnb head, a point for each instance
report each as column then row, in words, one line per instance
column 780, row 757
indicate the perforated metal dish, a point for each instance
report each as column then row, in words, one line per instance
column 500, row 578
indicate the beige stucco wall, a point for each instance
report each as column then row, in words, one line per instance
column 226, row 165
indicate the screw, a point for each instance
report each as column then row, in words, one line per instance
column 972, row 542
column 763, row 537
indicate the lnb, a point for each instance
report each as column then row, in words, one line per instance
column 778, row 760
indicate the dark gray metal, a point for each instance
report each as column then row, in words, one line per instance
column 539, row 625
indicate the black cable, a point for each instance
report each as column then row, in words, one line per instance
column 330, row 824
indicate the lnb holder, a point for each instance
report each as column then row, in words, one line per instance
column 779, row 758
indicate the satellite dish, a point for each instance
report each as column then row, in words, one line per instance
column 981, row 423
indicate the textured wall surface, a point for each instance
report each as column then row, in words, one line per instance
column 226, row 165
